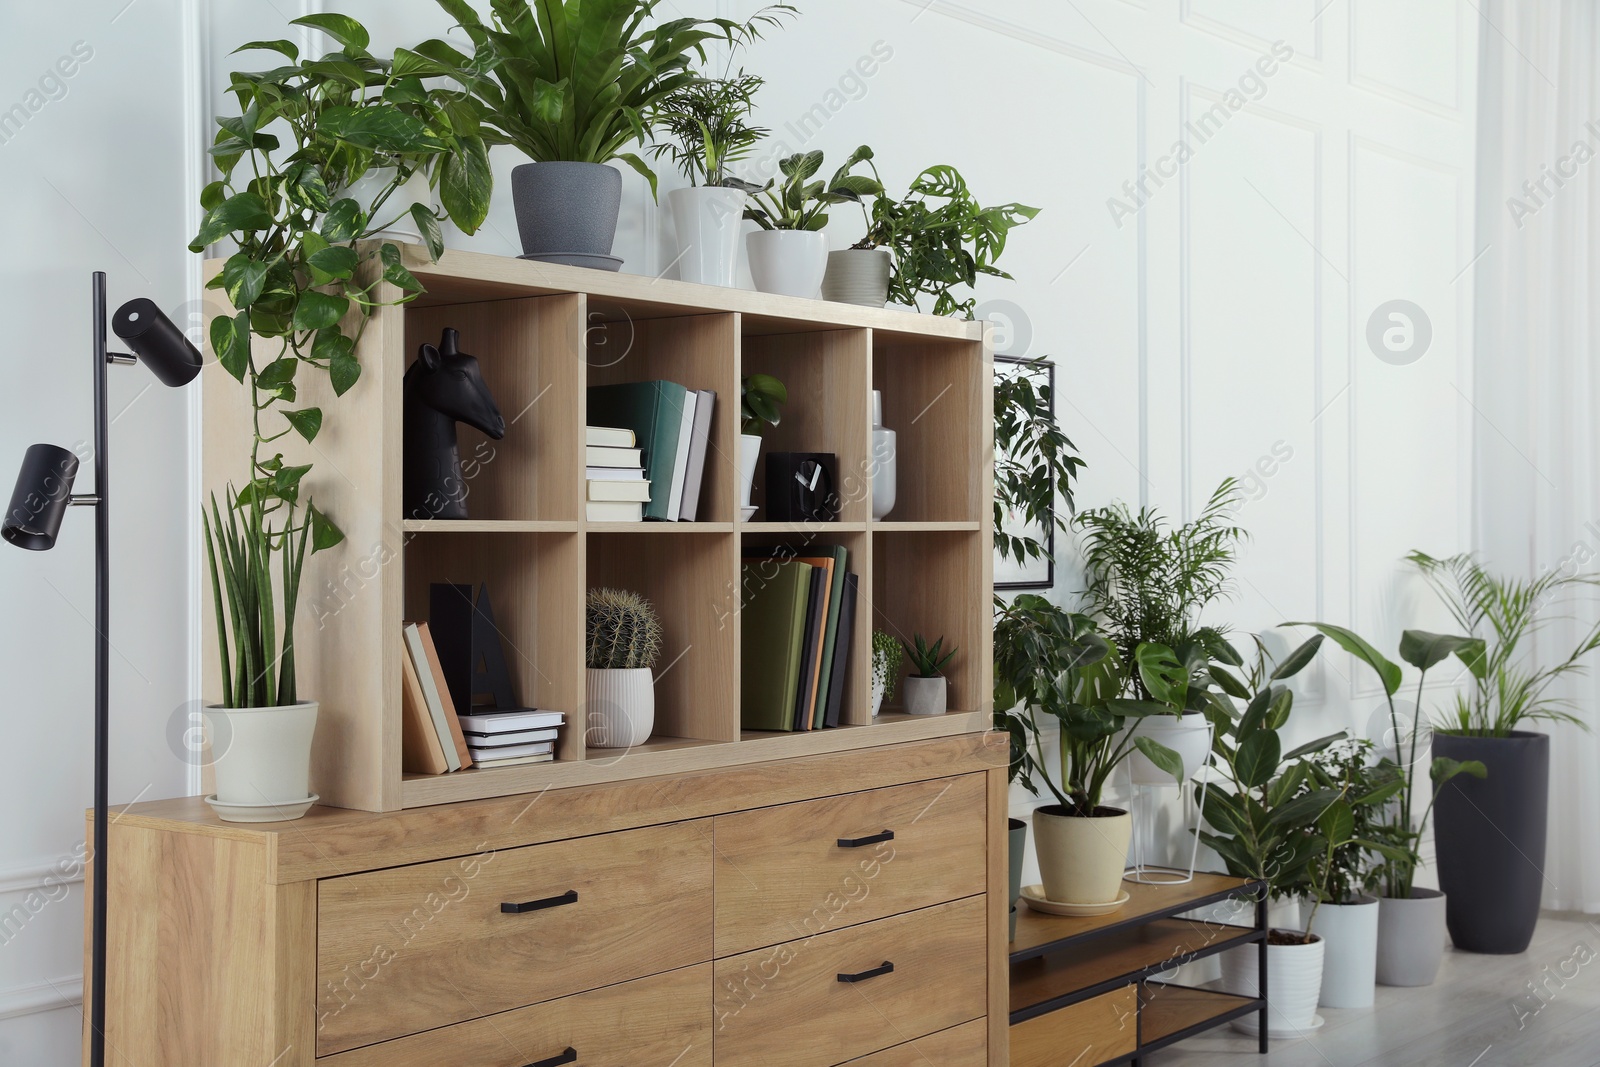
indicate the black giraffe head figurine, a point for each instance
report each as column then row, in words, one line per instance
column 444, row 386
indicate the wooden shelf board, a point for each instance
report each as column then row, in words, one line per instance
column 656, row 744
column 1167, row 1010
column 838, row 738
column 1037, row 933
column 658, row 527
column 489, row 526
column 955, row 526
column 821, row 529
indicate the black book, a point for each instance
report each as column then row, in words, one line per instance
column 806, row 692
column 841, row 651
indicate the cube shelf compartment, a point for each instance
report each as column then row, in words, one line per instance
column 542, row 334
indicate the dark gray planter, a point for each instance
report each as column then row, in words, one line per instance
column 567, row 212
column 1489, row 836
column 1017, row 843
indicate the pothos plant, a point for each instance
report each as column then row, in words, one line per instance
column 303, row 287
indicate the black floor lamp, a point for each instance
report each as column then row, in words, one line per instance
column 43, row 494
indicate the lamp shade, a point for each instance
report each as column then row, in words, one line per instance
column 158, row 343
column 42, row 496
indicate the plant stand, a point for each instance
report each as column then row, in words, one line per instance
column 1143, row 873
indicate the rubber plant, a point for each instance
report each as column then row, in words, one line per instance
column 303, row 284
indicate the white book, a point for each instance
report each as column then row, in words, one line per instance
column 609, row 436
column 430, row 694
column 639, row 491
column 510, row 737
column 614, row 474
column 511, row 751
column 613, row 511
column 489, row 722
column 680, row 464
column 543, row 757
column 601, row 456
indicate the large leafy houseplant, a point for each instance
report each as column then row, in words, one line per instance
column 303, row 285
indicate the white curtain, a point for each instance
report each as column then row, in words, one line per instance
column 1537, row 382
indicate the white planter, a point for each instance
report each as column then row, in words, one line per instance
column 620, row 707
column 857, row 276
column 1081, row 859
column 396, row 210
column 1411, row 934
column 1294, row 981
column 883, row 462
column 926, row 696
column 877, row 697
column 708, row 220
column 1189, row 737
column 749, row 454
column 262, row 755
column 788, row 262
column 1350, row 960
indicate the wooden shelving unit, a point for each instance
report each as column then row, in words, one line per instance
column 542, row 334
column 1084, row 990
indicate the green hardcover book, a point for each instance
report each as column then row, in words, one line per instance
column 835, row 557
column 654, row 412
column 772, row 625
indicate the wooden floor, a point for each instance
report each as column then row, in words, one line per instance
column 1468, row 1018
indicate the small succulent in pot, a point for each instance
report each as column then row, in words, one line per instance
column 622, row 644
column 926, row 689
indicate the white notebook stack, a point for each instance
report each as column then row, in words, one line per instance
column 614, row 474
column 503, row 738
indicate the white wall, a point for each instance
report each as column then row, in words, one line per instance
column 1221, row 321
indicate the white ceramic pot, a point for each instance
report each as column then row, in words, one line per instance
column 749, row 455
column 788, row 262
column 708, row 220
column 1081, row 859
column 621, row 707
column 883, row 462
column 395, row 212
column 877, row 698
column 262, row 755
column 857, row 276
column 1350, row 961
column 1294, row 981
column 1188, row 736
column 926, row 696
column 1411, row 933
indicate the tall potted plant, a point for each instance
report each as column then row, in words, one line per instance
column 1490, row 832
column 302, row 286
column 571, row 84
column 622, row 644
column 761, row 400
column 789, row 253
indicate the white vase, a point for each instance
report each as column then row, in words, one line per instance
column 1081, row 859
column 395, row 211
column 620, row 707
column 1294, row 981
column 883, row 461
column 1350, row 961
column 749, row 455
column 1189, row 737
column 708, row 219
column 877, row 698
column 1411, row 933
column 788, row 262
column 926, row 696
column 261, row 755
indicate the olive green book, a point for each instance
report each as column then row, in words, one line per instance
column 772, row 625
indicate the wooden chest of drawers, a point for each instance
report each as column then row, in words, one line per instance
column 802, row 913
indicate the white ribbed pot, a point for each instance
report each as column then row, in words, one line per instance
column 1189, row 736
column 621, row 707
column 857, row 276
column 1294, row 982
column 788, row 262
column 926, row 696
column 1081, row 858
column 1411, row 932
column 395, row 212
column 708, row 219
column 1350, row 961
column 749, row 455
column 261, row 755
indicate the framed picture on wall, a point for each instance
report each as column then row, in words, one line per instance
column 1033, row 573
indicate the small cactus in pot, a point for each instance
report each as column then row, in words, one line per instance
column 623, row 642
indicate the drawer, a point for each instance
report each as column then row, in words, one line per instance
column 787, row 872
column 651, row 1022
column 413, row 948
column 1090, row 1031
column 790, row 1005
column 966, row 1045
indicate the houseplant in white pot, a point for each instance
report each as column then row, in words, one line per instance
column 789, row 254
column 761, row 400
column 887, row 654
column 927, row 690
column 302, row 289
column 621, row 646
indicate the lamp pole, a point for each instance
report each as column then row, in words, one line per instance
column 102, row 681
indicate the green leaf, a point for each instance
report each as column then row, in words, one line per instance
column 344, row 222
column 331, row 344
column 466, row 184
column 213, row 194
column 286, row 481
column 324, row 534
column 331, row 263
column 1162, row 756
column 408, row 64
column 343, row 371
column 319, row 310
column 277, row 373
column 242, row 212
column 1303, row 809
column 242, row 278
column 406, row 90
column 1166, row 679
column 306, row 421
column 1388, row 673
column 1444, row 769
column 1257, row 759
column 230, row 340
column 1423, row 650
column 342, row 28
column 394, row 271
column 380, row 127
column 286, row 48
column 1337, row 823
column 1297, row 660
column 1313, row 746
column 428, row 226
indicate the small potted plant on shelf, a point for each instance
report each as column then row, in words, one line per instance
column 789, row 254
column 570, row 84
column 302, row 286
column 924, row 244
column 886, row 656
column 761, row 400
column 927, row 690
column 705, row 127
column 621, row 647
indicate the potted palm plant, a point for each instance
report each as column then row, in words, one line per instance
column 621, row 646
column 926, row 688
column 1489, row 836
column 789, row 254
column 302, row 285
column 571, row 84
column 761, row 400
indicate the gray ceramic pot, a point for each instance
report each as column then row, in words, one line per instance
column 1016, row 843
column 1410, row 938
column 567, row 212
column 857, row 276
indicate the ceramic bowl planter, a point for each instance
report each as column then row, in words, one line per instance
column 926, row 696
column 708, row 220
column 1489, row 838
column 1410, row 938
column 1081, row 858
column 1189, row 736
column 567, row 212
column 1350, row 961
column 261, row 758
column 857, row 276
column 1294, row 983
column 621, row 706
column 1016, row 842
column 788, row 262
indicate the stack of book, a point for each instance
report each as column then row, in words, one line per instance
column 435, row 739
column 614, row 473
column 669, row 431
column 796, row 622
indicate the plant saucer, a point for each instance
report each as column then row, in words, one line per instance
column 1034, row 895
column 281, row 812
column 577, row 259
column 1251, row 1024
